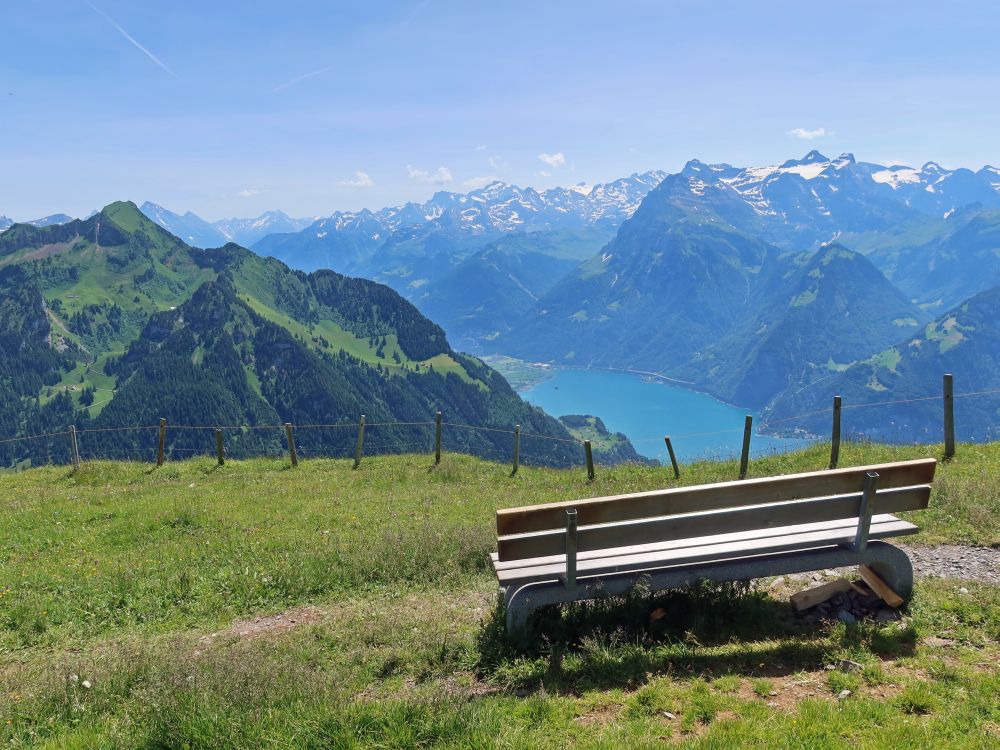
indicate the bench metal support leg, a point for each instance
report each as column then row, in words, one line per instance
column 890, row 563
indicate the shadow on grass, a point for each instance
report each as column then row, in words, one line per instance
column 706, row 631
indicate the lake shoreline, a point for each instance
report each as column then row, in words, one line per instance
column 645, row 406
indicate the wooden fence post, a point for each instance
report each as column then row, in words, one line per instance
column 835, row 436
column 745, row 455
column 219, row 452
column 291, row 444
column 161, row 444
column 588, row 451
column 361, row 442
column 673, row 458
column 517, row 449
column 75, row 447
column 437, row 438
column 949, row 416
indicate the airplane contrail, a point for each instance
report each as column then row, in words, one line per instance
column 132, row 39
column 292, row 82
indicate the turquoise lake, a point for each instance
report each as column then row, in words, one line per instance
column 646, row 410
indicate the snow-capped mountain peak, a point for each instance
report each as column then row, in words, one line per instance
column 814, row 157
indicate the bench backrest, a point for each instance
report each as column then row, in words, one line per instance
column 700, row 510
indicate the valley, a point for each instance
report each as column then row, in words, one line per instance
column 409, row 375
column 771, row 288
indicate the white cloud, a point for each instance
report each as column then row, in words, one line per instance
column 478, row 182
column 808, row 135
column 480, row 148
column 248, row 193
column 544, row 174
column 361, row 181
column 553, row 160
column 497, row 162
column 439, row 176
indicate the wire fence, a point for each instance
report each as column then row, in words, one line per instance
column 357, row 438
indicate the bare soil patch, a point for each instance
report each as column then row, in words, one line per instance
column 269, row 625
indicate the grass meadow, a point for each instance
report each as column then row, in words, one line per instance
column 256, row 605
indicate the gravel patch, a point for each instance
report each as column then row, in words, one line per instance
column 945, row 561
column 956, row 561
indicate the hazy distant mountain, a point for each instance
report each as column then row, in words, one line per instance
column 340, row 242
column 391, row 244
column 662, row 290
column 935, row 190
column 45, row 221
column 190, row 227
column 481, row 297
column 246, row 232
column 948, row 262
column 200, row 233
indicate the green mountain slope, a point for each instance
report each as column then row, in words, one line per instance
column 960, row 260
column 833, row 307
column 129, row 324
column 103, row 276
column 965, row 341
column 683, row 292
column 651, row 298
column 486, row 294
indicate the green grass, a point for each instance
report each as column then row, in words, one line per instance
column 600, row 442
column 148, row 584
column 86, row 374
column 889, row 359
column 341, row 339
column 519, row 373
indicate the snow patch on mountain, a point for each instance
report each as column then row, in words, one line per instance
column 896, row 176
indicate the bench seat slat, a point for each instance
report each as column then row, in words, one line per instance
column 626, row 561
column 847, row 526
column 667, row 528
column 707, row 497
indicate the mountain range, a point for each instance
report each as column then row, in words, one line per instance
column 764, row 286
column 112, row 322
column 45, row 221
column 760, row 284
column 197, row 232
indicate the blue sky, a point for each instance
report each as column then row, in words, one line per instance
column 231, row 108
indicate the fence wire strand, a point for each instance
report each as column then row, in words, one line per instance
column 401, row 444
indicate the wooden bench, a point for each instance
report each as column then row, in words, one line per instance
column 584, row 549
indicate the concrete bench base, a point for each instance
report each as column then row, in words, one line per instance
column 889, row 562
